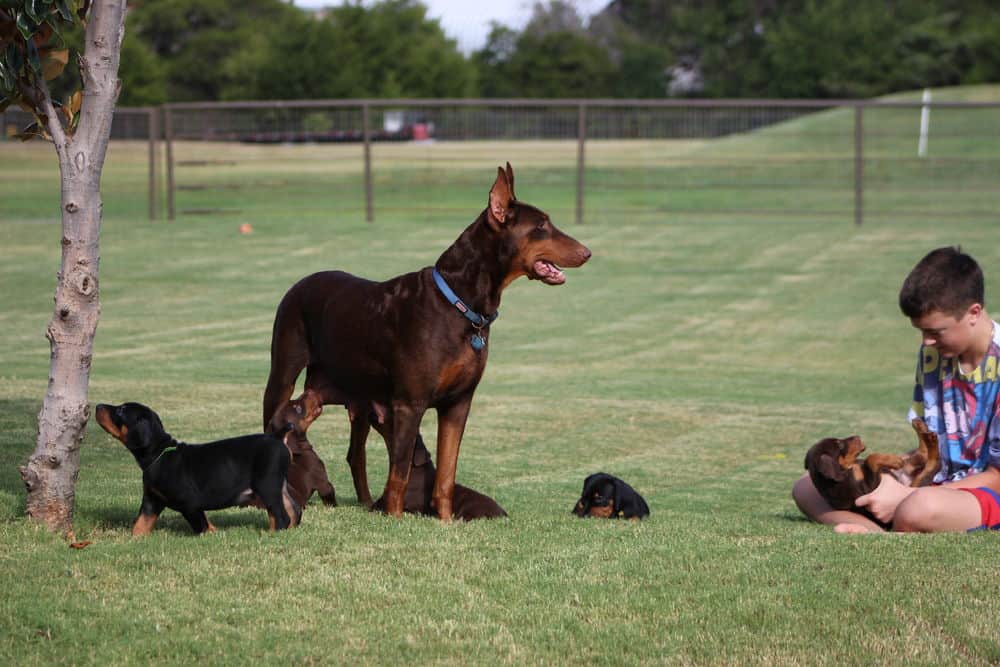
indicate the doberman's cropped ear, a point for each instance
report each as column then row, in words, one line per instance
column 510, row 180
column 501, row 195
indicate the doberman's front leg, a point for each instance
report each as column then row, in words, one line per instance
column 149, row 512
column 451, row 426
column 405, row 427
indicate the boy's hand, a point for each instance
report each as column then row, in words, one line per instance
column 882, row 502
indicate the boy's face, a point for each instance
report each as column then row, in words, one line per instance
column 951, row 336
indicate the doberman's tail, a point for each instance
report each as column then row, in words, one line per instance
column 289, row 355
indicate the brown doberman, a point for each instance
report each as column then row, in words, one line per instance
column 417, row 341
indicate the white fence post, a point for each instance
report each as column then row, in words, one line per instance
column 925, row 121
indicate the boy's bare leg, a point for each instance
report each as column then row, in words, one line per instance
column 938, row 509
column 815, row 506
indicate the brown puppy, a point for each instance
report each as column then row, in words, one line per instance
column 467, row 504
column 306, row 472
column 841, row 478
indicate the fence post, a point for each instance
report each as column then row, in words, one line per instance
column 154, row 135
column 581, row 138
column 168, row 138
column 369, row 212
column 859, row 164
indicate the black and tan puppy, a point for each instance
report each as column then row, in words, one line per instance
column 841, row 478
column 247, row 470
column 608, row 497
column 307, row 472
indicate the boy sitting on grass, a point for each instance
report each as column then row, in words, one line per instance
column 956, row 394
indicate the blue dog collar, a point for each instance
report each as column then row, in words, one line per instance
column 479, row 322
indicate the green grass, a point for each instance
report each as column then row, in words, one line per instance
column 697, row 361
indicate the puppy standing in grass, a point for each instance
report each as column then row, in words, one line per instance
column 248, row 470
column 956, row 394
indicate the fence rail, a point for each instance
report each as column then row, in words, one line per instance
column 660, row 159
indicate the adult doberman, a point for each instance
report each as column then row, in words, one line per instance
column 419, row 340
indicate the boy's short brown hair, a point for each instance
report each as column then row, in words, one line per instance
column 945, row 280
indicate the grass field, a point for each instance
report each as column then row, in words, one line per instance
column 697, row 361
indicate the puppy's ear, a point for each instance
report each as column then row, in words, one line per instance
column 828, row 466
column 421, row 456
column 141, row 432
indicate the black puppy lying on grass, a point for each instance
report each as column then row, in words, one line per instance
column 247, row 470
column 608, row 497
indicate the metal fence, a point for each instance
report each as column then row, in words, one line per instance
column 660, row 160
column 128, row 124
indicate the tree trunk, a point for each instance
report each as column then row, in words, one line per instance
column 51, row 472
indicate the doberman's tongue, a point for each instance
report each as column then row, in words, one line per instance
column 549, row 273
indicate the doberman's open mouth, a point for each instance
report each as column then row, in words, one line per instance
column 548, row 273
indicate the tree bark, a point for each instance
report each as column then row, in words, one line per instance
column 51, row 472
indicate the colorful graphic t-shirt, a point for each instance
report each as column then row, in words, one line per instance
column 961, row 408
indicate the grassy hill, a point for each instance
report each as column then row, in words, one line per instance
column 697, row 361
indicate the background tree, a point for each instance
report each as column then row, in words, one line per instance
column 553, row 56
column 210, row 49
column 390, row 49
column 32, row 52
column 269, row 49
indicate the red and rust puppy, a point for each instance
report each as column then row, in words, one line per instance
column 608, row 497
column 247, row 470
column 841, row 478
column 417, row 341
column 306, row 472
column 467, row 504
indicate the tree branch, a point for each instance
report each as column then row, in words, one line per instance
column 53, row 122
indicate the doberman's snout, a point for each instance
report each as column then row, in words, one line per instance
column 577, row 256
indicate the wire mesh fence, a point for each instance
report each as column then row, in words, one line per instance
column 587, row 160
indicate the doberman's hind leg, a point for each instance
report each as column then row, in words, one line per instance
column 277, row 501
column 199, row 522
column 356, row 456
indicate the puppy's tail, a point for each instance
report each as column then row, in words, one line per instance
column 283, row 433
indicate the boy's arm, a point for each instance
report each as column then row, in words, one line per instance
column 990, row 478
column 882, row 502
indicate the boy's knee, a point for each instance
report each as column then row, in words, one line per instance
column 919, row 512
column 800, row 489
column 807, row 498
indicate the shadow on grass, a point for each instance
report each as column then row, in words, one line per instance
column 170, row 521
column 17, row 440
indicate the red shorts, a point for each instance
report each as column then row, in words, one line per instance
column 989, row 503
